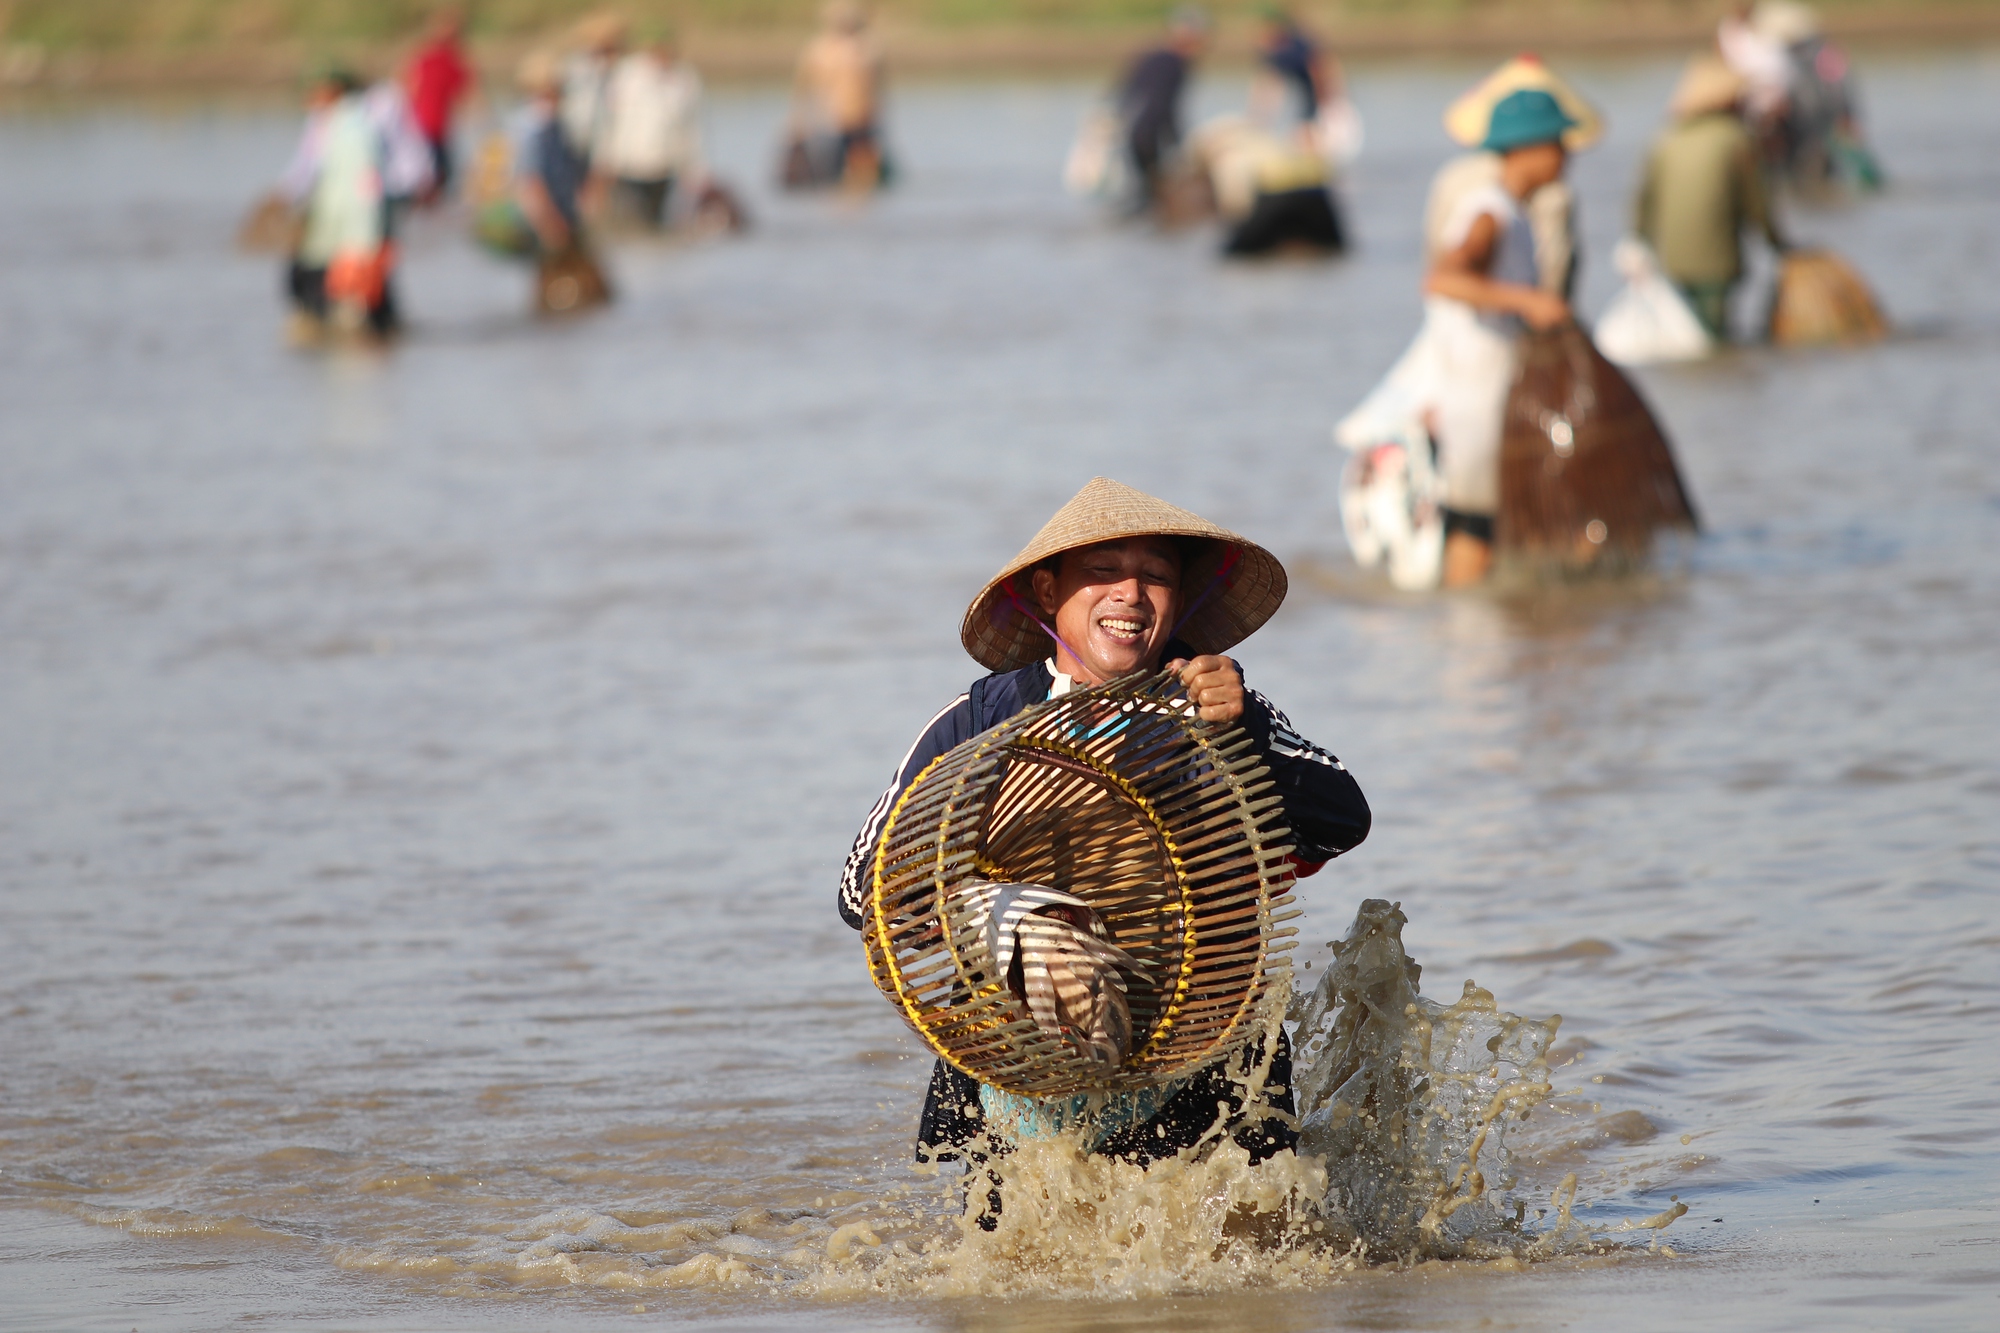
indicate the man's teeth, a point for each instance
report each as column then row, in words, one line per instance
column 1121, row 626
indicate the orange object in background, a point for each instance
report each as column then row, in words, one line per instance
column 360, row 277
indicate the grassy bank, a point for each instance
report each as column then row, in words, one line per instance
column 124, row 43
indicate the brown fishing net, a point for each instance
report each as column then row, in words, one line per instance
column 567, row 281
column 1586, row 476
column 1821, row 299
column 273, row 227
column 1140, row 845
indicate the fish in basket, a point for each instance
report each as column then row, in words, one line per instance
column 1087, row 897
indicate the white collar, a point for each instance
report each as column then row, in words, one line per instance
column 1059, row 684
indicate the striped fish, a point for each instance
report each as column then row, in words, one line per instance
column 1071, row 974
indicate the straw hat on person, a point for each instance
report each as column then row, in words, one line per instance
column 843, row 15
column 604, row 30
column 1469, row 118
column 1229, row 587
column 1784, row 21
column 1707, row 85
column 540, row 71
column 1529, row 116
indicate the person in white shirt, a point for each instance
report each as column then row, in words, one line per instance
column 1483, row 289
column 652, row 141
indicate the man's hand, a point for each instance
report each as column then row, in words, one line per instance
column 1544, row 310
column 1214, row 686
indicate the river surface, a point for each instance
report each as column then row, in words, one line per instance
column 426, row 774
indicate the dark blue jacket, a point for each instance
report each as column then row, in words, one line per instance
column 1324, row 806
column 1150, row 98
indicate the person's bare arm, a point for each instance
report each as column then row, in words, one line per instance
column 1461, row 275
column 542, row 213
column 595, row 196
column 1328, row 80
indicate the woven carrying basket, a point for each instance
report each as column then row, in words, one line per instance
column 1820, row 299
column 1167, row 826
column 1585, row 471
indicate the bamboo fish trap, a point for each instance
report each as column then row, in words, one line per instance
column 1166, row 826
column 1585, row 471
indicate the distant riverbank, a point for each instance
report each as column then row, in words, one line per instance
column 149, row 44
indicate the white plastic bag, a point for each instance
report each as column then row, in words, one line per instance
column 1390, row 493
column 1648, row 321
column 1337, row 133
column 1390, row 513
column 1095, row 166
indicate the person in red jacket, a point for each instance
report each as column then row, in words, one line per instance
column 437, row 78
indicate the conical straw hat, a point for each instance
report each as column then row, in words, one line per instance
column 1238, row 584
column 1706, row 85
column 606, row 27
column 1466, row 120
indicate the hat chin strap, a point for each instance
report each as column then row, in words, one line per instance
column 1019, row 605
column 1222, row 578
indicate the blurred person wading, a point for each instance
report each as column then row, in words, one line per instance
column 836, row 130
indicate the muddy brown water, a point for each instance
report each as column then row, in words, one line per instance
column 426, row 774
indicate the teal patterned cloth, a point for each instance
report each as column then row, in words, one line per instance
column 1099, row 1116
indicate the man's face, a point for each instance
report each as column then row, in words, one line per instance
column 1113, row 604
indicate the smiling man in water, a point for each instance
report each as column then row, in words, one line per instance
column 1119, row 582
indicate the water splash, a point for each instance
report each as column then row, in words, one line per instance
column 1411, row 1117
column 1407, row 1109
column 1409, row 1102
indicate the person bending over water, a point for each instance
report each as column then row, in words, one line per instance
column 1125, row 582
column 1484, row 289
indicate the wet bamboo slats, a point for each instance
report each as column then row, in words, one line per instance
column 1118, row 795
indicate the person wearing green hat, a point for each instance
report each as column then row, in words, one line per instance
column 1483, row 290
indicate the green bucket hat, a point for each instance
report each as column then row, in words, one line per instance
column 1529, row 116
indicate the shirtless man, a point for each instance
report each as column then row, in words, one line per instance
column 839, row 88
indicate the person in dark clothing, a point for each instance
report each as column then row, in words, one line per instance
column 1271, row 190
column 1289, row 54
column 1304, row 218
column 1149, row 100
column 1118, row 582
column 545, row 214
column 549, row 173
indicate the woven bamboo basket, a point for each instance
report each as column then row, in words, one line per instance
column 1167, row 826
column 1821, row 299
column 1585, row 471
